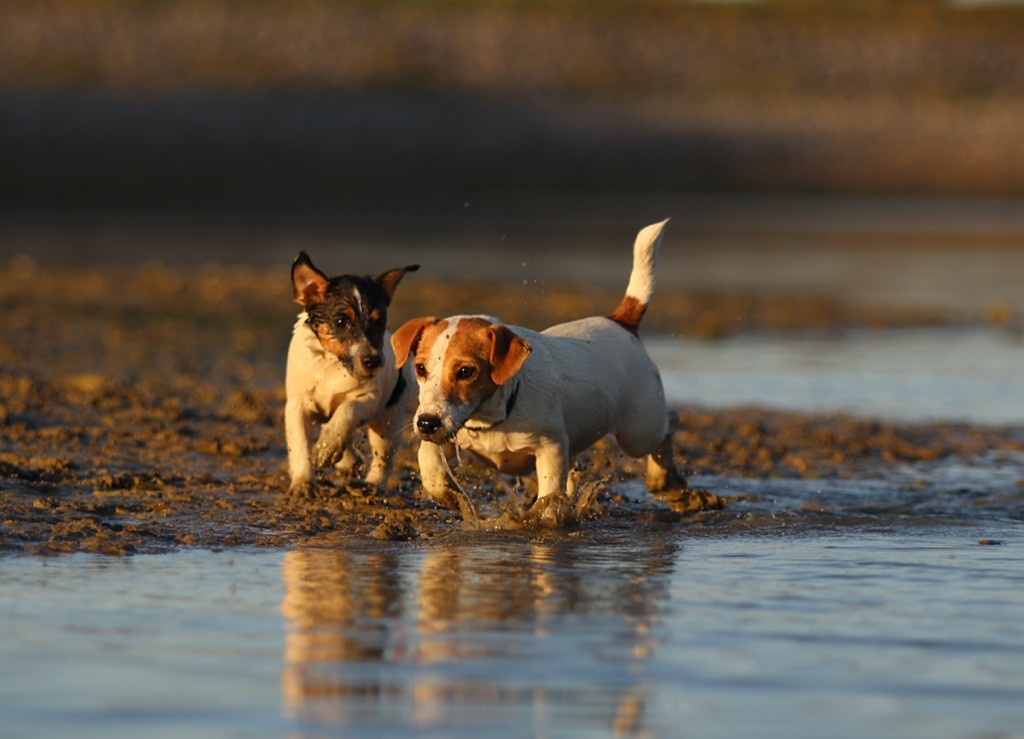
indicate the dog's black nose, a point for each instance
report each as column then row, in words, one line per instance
column 371, row 362
column 428, row 423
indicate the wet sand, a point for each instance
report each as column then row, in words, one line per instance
column 140, row 411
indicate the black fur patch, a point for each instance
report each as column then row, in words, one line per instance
column 398, row 392
column 353, row 308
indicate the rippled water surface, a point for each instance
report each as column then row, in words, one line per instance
column 631, row 633
column 887, row 605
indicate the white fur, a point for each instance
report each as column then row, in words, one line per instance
column 582, row 380
column 318, row 385
column 645, row 262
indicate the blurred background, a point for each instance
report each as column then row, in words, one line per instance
column 783, row 136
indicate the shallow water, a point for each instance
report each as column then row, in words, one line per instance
column 839, row 607
column 651, row 634
column 907, row 375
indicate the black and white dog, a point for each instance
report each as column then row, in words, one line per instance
column 341, row 373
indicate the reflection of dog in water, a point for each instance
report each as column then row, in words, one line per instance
column 341, row 373
column 373, row 635
column 524, row 401
column 336, row 605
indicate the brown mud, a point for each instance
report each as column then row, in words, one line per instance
column 140, row 411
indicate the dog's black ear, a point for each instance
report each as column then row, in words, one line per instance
column 390, row 279
column 309, row 285
column 407, row 337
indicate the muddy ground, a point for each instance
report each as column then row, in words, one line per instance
column 140, row 410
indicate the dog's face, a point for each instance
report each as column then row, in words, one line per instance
column 348, row 313
column 460, row 363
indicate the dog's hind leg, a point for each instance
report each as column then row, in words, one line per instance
column 661, row 468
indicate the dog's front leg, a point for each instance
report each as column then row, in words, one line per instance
column 552, row 468
column 330, row 447
column 552, row 502
column 432, row 461
column 383, row 434
column 297, row 427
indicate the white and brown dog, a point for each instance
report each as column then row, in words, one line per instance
column 341, row 373
column 524, row 401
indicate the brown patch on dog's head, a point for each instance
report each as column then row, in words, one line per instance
column 479, row 356
column 466, row 366
column 508, row 352
column 405, row 340
column 460, row 363
column 329, row 341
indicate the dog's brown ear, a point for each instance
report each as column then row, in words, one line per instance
column 405, row 339
column 390, row 279
column 508, row 352
column 309, row 285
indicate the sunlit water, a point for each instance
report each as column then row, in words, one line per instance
column 911, row 375
column 836, row 607
column 884, row 605
column 649, row 634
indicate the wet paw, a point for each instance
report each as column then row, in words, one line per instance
column 660, row 479
column 348, row 462
column 445, row 498
column 359, row 487
column 376, row 476
column 301, row 490
column 325, row 455
column 551, row 511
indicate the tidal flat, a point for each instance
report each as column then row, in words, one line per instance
column 847, row 559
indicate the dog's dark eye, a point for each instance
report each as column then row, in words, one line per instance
column 421, row 369
column 342, row 321
column 466, row 372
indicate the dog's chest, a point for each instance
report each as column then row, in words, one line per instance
column 511, row 463
column 512, row 454
column 330, row 385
